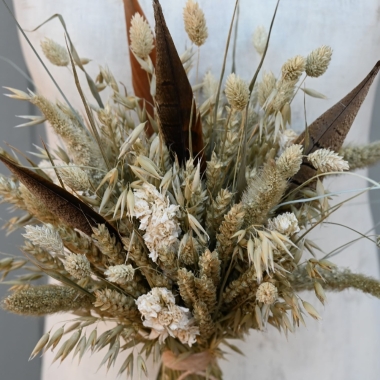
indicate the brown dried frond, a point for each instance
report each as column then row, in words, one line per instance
column 263, row 193
column 55, row 53
column 318, row 61
column 141, row 36
column 209, row 266
column 36, row 207
column 108, row 244
column 45, row 299
column 186, row 286
column 361, row 156
column 195, row 23
column 115, row 303
column 231, row 224
column 206, row 292
column 203, row 319
column 293, row 68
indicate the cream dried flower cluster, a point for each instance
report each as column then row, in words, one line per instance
column 180, row 249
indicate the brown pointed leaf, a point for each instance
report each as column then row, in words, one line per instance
column 140, row 79
column 61, row 203
column 174, row 96
column 330, row 129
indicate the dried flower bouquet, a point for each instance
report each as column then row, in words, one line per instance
column 180, row 213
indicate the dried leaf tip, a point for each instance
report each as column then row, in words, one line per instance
column 55, row 53
column 237, row 92
column 195, row 23
column 141, row 36
column 318, row 61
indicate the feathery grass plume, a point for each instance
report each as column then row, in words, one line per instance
column 286, row 139
column 289, row 163
column 204, row 320
column 209, row 266
column 263, row 193
column 47, row 237
column 284, row 93
column 46, row 299
column 195, row 23
column 206, row 291
column 141, row 36
column 81, row 146
column 260, row 37
column 10, row 192
column 361, row 156
column 55, row 53
column 267, row 293
column 293, row 68
column 108, row 244
column 244, row 286
column 77, row 265
column 326, row 160
column 232, row 223
column 265, row 88
column 120, row 274
column 336, row 281
column 74, row 177
column 36, row 207
column 111, row 301
column 186, row 285
column 317, row 62
column 237, row 92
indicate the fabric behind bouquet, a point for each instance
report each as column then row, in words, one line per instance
column 345, row 345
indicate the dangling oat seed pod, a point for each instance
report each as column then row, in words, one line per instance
column 195, row 23
column 260, row 37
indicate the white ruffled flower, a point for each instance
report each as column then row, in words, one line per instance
column 158, row 218
column 165, row 318
column 286, row 223
column 120, row 274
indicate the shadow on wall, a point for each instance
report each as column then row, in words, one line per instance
column 18, row 335
column 374, row 171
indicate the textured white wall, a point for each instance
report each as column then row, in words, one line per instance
column 345, row 345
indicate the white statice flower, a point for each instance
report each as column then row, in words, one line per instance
column 165, row 318
column 326, row 160
column 120, row 274
column 46, row 237
column 158, row 218
column 286, row 139
column 286, row 224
